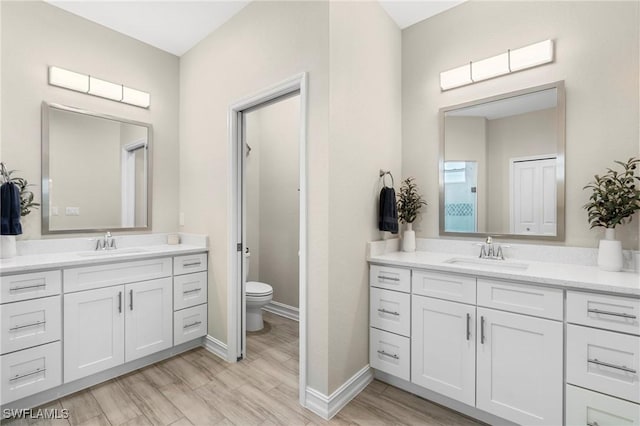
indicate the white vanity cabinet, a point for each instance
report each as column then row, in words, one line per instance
column 490, row 344
column 603, row 359
column 106, row 327
column 30, row 333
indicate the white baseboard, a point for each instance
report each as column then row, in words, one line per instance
column 283, row 310
column 328, row 406
column 215, row 346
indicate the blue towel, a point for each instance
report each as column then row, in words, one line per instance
column 10, row 209
column 388, row 211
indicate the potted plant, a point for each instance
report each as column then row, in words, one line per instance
column 409, row 204
column 614, row 199
column 8, row 237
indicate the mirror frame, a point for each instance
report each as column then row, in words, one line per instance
column 560, row 167
column 46, row 107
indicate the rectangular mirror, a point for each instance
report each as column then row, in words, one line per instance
column 96, row 172
column 502, row 165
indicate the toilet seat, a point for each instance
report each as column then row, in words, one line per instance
column 257, row 289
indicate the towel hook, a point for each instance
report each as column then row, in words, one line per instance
column 383, row 175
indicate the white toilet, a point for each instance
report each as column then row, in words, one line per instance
column 258, row 295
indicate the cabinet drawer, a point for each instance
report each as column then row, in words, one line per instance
column 390, row 353
column 390, row 311
column 602, row 311
column 189, row 324
column 390, row 278
column 604, row 361
column 190, row 263
column 189, row 290
column 30, row 371
column 90, row 277
column 585, row 407
column 30, row 323
column 521, row 298
column 14, row 288
column 458, row 288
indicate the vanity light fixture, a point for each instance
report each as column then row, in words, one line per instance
column 511, row 61
column 94, row 86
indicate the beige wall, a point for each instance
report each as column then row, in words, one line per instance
column 272, row 188
column 365, row 136
column 264, row 44
column 84, row 161
column 535, row 133
column 35, row 35
column 467, row 141
column 596, row 54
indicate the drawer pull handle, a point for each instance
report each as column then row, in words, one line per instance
column 613, row 314
column 593, row 423
column 384, row 311
column 186, row 265
column 33, row 324
column 191, row 291
column 193, row 324
column 382, row 277
column 36, row 371
column 617, row 367
column 468, row 326
column 26, row 287
column 394, row 356
column 481, row 330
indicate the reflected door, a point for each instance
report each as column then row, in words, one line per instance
column 533, row 209
column 461, row 196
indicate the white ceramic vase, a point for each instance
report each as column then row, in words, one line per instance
column 610, row 252
column 409, row 239
column 7, row 246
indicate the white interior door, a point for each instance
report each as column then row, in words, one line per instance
column 533, row 196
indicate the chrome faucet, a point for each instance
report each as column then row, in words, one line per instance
column 107, row 243
column 489, row 250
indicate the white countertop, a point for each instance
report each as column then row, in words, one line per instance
column 554, row 274
column 33, row 262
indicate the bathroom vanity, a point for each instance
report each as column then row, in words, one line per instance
column 527, row 342
column 74, row 319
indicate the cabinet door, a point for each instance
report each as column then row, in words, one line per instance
column 149, row 317
column 443, row 345
column 519, row 373
column 93, row 331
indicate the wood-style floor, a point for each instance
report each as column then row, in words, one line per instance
column 199, row 388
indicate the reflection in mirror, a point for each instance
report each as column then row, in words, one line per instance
column 502, row 165
column 95, row 172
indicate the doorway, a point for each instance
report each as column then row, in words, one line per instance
column 237, row 238
column 533, row 195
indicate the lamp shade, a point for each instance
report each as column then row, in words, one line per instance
column 455, row 77
column 532, row 55
column 68, row 79
column 105, row 89
column 136, row 97
column 490, row 67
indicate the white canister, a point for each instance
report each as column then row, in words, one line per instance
column 409, row 239
column 7, row 246
column 610, row 252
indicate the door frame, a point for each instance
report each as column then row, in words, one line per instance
column 236, row 328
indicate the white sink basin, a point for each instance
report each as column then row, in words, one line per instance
column 99, row 253
column 487, row 263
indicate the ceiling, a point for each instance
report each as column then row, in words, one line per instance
column 175, row 26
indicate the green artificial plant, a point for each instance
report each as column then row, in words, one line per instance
column 615, row 197
column 26, row 196
column 409, row 201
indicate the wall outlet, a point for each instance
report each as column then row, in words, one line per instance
column 181, row 219
column 72, row 211
column 54, row 211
